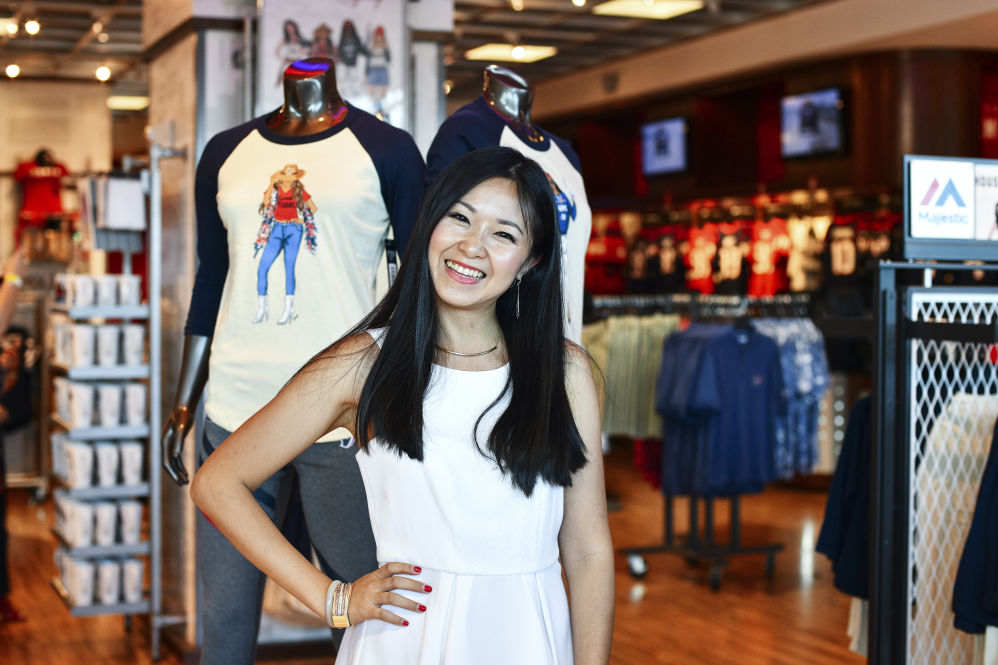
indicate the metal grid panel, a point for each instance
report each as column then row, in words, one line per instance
column 954, row 403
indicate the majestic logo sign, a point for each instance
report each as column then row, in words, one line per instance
column 942, row 199
column 950, row 192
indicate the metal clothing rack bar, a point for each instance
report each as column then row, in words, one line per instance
column 706, row 550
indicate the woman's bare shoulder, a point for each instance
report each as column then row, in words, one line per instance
column 351, row 356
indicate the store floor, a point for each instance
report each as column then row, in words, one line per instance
column 670, row 617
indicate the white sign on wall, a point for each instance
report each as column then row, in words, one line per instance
column 942, row 199
column 986, row 202
column 366, row 38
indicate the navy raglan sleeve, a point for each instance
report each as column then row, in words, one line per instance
column 469, row 128
column 400, row 170
column 566, row 148
column 212, row 239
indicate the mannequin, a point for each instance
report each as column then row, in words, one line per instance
column 41, row 183
column 512, row 97
column 312, row 104
column 334, row 178
column 501, row 116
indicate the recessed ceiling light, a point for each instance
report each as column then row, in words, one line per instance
column 103, row 73
column 32, row 27
column 12, row 71
column 11, row 27
column 518, row 52
column 504, row 52
column 517, row 5
column 654, row 9
column 127, row 102
column 103, row 37
column 579, row 3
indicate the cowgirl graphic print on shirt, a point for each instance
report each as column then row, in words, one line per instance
column 476, row 125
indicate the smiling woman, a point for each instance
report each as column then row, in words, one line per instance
column 480, row 431
column 479, row 248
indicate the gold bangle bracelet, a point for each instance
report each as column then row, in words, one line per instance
column 341, row 613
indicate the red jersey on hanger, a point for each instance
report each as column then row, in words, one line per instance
column 770, row 248
column 698, row 256
column 606, row 259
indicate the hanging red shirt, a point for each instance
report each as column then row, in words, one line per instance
column 40, row 186
column 698, row 257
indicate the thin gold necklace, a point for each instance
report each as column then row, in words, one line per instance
column 467, row 355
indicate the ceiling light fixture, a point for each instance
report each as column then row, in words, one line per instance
column 517, row 5
column 448, row 86
column 653, row 9
column 103, row 37
column 127, row 102
column 32, row 27
column 503, row 52
column 579, row 3
column 11, row 27
column 12, row 71
column 518, row 52
column 97, row 27
column 103, row 73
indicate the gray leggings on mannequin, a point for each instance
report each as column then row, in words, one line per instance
column 335, row 506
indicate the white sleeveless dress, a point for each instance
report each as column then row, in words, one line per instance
column 489, row 552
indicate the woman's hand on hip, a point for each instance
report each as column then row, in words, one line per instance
column 376, row 589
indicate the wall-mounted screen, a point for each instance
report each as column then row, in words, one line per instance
column 811, row 123
column 663, row 146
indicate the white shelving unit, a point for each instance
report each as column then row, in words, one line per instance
column 148, row 491
column 117, row 373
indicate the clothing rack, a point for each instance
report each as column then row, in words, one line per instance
column 695, row 548
column 701, row 306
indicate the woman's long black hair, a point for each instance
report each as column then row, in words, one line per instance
column 535, row 437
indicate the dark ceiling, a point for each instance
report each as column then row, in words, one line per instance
column 71, row 45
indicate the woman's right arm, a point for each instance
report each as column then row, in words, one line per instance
column 320, row 398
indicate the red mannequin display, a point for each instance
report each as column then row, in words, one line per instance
column 41, row 183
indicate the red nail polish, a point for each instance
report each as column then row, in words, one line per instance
column 405, row 623
column 422, row 608
column 417, row 569
column 427, row 588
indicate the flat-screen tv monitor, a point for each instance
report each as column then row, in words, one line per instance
column 811, row 123
column 663, row 146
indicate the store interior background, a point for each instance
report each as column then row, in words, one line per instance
column 920, row 77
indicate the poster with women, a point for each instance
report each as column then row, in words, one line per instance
column 366, row 38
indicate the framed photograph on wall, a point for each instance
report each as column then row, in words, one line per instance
column 368, row 39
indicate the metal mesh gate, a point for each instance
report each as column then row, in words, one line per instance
column 954, row 403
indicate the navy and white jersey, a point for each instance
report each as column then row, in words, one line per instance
column 282, row 216
column 476, row 125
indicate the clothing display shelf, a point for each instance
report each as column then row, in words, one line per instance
column 98, row 373
column 127, row 609
column 694, row 547
column 935, row 404
column 98, row 433
column 147, row 314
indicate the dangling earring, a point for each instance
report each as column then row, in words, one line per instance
column 516, row 312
